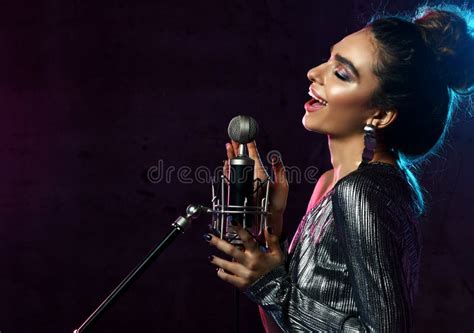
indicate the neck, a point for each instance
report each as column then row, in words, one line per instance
column 346, row 155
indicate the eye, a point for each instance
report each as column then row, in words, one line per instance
column 340, row 76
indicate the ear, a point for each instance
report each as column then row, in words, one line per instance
column 383, row 118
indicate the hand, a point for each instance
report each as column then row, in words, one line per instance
column 250, row 264
column 278, row 188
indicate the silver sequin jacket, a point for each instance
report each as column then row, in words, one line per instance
column 352, row 265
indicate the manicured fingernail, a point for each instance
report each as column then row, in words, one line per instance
column 207, row 237
column 211, row 257
column 269, row 229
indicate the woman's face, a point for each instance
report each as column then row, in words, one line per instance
column 346, row 90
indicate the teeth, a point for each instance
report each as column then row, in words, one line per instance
column 318, row 99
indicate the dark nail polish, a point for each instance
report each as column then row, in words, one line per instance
column 269, row 229
column 207, row 237
column 211, row 257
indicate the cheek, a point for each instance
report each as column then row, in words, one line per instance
column 347, row 105
column 346, row 97
column 344, row 114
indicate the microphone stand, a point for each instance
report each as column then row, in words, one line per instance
column 192, row 212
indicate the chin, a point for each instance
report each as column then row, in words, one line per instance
column 311, row 125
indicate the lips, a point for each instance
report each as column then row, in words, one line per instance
column 315, row 103
column 316, row 96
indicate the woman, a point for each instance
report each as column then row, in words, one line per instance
column 386, row 97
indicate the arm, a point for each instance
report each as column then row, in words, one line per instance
column 369, row 235
column 286, row 305
column 366, row 230
column 263, row 276
column 282, row 302
column 290, row 308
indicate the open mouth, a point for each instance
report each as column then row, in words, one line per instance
column 317, row 99
column 315, row 103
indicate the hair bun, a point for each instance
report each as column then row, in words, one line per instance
column 447, row 34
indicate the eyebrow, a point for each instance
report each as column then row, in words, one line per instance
column 346, row 62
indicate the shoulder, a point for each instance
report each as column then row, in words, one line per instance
column 373, row 204
column 320, row 188
column 372, row 184
column 383, row 178
column 326, row 178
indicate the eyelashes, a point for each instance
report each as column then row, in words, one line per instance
column 340, row 76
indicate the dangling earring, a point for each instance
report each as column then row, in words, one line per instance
column 369, row 143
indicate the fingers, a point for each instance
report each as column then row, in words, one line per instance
column 225, row 247
column 229, row 271
column 273, row 243
column 226, row 169
column 230, row 154
column 235, row 146
column 248, row 241
column 260, row 171
column 230, row 266
column 280, row 188
column 230, row 151
column 253, row 152
column 279, row 172
column 232, row 279
column 239, row 273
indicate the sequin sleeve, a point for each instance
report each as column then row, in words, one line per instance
column 369, row 230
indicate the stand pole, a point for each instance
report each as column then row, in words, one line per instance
column 193, row 211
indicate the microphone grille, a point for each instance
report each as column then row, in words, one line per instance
column 243, row 129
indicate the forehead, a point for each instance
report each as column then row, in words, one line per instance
column 359, row 48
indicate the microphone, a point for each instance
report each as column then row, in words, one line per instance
column 234, row 199
column 242, row 129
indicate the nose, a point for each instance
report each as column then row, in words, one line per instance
column 315, row 75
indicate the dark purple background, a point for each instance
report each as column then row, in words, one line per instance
column 95, row 93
